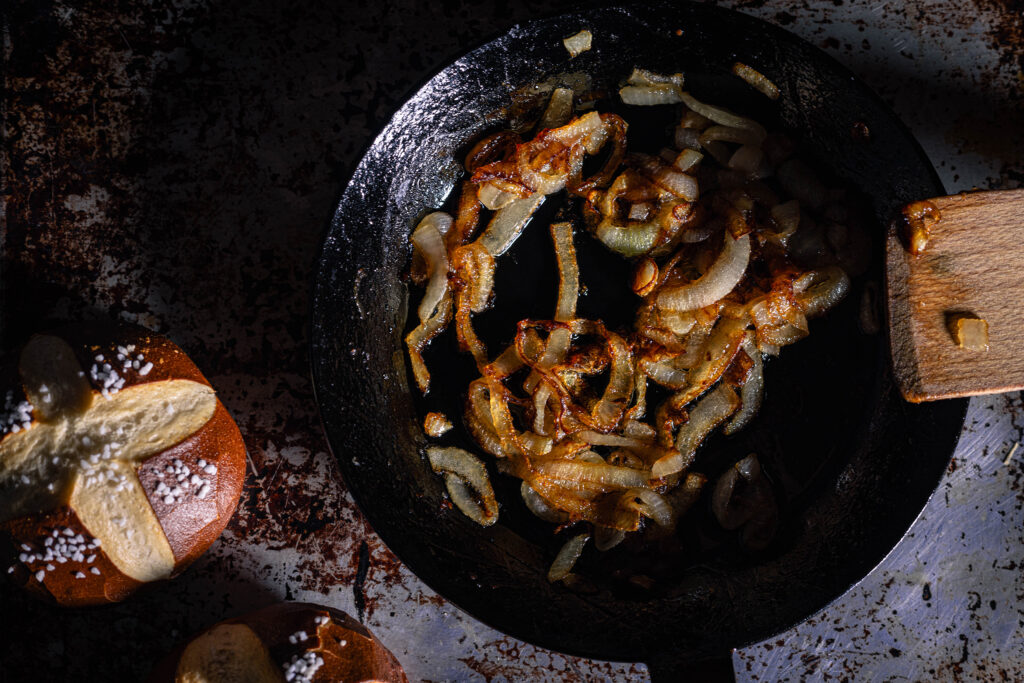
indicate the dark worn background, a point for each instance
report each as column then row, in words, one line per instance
column 174, row 164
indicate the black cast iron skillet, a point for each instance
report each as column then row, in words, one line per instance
column 851, row 462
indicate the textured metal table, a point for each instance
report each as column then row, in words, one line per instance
column 174, row 164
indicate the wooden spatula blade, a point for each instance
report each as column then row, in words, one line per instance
column 973, row 264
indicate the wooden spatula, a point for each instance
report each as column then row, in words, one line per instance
column 971, row 266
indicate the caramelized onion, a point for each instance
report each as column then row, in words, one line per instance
column 562, row 407
column 757, row 79
column 418, row 339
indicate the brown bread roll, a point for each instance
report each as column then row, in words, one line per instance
column 283, row 643
column 118, row 464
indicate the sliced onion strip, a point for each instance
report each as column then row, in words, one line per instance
column 752, row 393
column 428, row 238
column 540, row 507
column 507, row 224
column 709, row 412
column 724, row 274
column 820, row 290
column 756, row 79
column 467, row 483
column 723, row 116
column 559, row 109
column 567, row 557
column 418, row 339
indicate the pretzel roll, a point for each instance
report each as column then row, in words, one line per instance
column 287, row 642
column 118, row 464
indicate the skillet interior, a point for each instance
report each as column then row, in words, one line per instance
column 860, row 463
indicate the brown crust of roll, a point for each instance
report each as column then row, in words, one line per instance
column 362, row 658
column 191, row 525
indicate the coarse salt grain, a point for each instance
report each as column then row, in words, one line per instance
column 15, row 415
column 301, row 669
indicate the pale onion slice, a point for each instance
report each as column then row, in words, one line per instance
column 567, row 557
column 559, row 109
column 666, row 374
column 787, row 219
column 739, row 136
column 598, row 439
column 756, row 79
column 724, row 274
column 645, row 77
column 751, row 162
column 639, row 430
column 723, row 116
column 820, row 290
column 687, row 160
column 651, row 505
column 578, row 43
column 752, row 393
column 709, row 412
column 540, row 507
column 628, row 240
column 428, row 238
column 678, row 183
column 507, row 224
column 494, row 198
column 606, row 538
column 467, row 483
column 570, row 472
column 651, row 95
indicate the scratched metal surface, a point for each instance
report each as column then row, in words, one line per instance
column 175, row 164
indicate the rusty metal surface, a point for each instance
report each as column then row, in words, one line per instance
column 174, row 165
